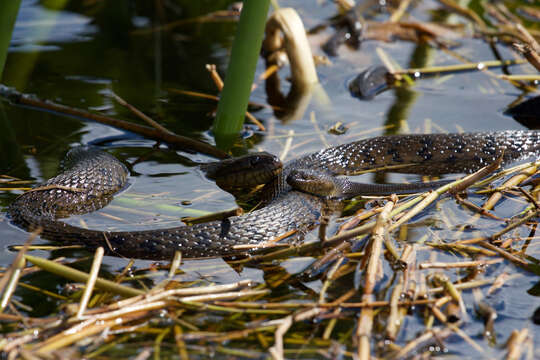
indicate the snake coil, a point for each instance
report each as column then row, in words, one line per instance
column 91, row 177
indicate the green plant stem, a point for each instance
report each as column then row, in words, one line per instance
column 459, row 67
column 241, row 71
column 8, row 14
column 76, row 275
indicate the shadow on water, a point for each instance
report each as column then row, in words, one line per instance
column 11, row 156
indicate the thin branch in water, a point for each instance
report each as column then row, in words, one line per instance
column 182, row 142
column 140, row 114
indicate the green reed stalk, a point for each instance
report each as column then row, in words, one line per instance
column 241, row 71
column 76, row 275
column 8, row 14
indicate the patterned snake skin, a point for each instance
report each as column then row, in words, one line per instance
column 91, row 177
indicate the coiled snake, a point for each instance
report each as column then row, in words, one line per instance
column 91, row 177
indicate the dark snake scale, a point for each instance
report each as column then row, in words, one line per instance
column 91, row 177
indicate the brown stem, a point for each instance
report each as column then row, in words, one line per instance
column 179, row 141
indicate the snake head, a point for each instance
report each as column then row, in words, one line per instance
column 313, row 182
column 245, row 171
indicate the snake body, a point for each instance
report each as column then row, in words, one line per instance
column 91, row 177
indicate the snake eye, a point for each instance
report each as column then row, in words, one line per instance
column 254, row 161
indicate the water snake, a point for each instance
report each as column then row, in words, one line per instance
column 91, row 177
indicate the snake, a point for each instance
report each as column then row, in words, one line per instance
column 90, row 178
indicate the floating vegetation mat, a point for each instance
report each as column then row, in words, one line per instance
column 285, row 317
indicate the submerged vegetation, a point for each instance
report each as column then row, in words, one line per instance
column 436, row 274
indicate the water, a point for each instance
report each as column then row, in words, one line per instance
column 79, row 55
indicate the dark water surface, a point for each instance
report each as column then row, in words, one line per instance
column 79, row 55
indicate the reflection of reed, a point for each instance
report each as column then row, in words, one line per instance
column 8, row 14
column 285, row 32
column 10, row 152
